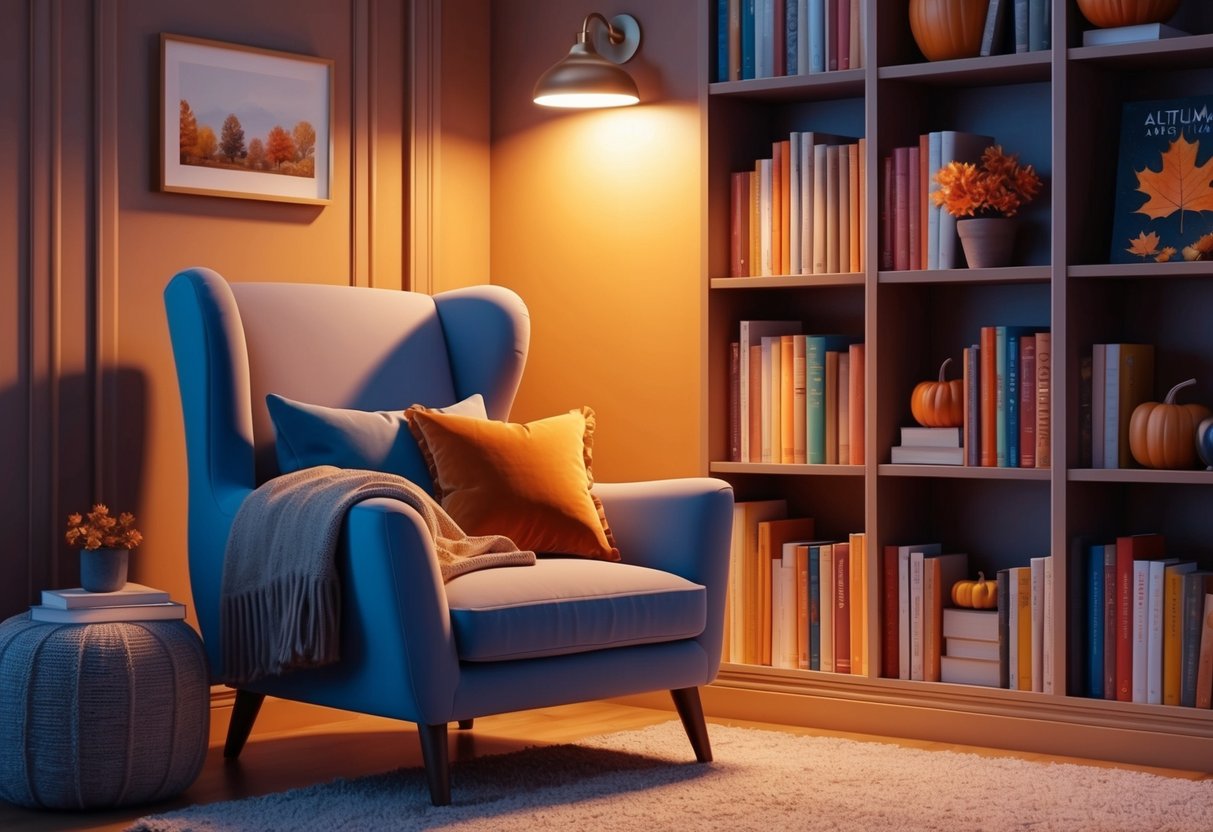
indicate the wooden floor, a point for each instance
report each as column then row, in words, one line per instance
column 282, row 756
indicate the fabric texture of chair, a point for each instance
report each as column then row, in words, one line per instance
column 411, row 646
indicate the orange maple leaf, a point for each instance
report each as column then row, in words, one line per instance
column 1180, row 185
column 1143, row 245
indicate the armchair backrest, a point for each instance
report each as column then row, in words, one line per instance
column 337, row 346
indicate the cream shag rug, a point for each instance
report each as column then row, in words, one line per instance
column 761, row 780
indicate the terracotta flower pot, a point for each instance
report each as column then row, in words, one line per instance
column 946, row 29
column 988, row 242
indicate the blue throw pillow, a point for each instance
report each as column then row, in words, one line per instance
column 311, row 434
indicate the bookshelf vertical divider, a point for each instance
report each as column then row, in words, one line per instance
column 910, row 320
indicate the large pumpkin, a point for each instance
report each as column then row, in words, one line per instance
column 1105, row 13
column 939, row 404
column 945, row 29
column 1164, row 435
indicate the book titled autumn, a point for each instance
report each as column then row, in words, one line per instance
column 1164, row 181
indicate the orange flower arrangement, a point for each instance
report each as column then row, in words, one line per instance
column 997, row 185
column 98, row 529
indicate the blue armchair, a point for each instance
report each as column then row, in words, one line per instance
column 412, row 647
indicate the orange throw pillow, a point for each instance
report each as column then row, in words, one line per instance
column 530, row 482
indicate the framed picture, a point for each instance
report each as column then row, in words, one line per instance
column 243, row 122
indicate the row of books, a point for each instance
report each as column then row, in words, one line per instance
column 795, row 398
column 1026, row 22
column 1008, row 394
column 799, row 211
column 925, row 637
column 1146, row 632
column 794, row 601
column 767, row 38
column 134, row 602
column 1113, row 380
column 916, row 233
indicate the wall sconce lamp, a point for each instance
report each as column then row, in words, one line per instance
column 590, row 75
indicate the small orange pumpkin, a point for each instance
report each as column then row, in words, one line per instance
column 1164, row 435
column 945, row 29
column 939, row 404
column 1105, row 13
column 978, row 595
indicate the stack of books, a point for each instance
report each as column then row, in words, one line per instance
column 134, row 602
column 929, row 446
column 970, row 645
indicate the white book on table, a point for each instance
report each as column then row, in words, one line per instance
column 97, row 615
column 79, row 598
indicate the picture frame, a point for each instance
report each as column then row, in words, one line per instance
column 242, row 122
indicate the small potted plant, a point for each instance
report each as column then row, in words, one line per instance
column 105, row 542
column 984, row 196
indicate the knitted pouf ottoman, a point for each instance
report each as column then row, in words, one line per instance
column 100, row 715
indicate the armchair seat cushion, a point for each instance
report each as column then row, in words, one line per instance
column 570, row 605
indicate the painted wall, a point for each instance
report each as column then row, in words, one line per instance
column 596, row 223
column 88, row 396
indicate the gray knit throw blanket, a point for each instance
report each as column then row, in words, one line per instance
column 280, row 600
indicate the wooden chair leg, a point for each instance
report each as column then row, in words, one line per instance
column 437, row 762
column 690, row 711
column 466, row 724
column 244, row 714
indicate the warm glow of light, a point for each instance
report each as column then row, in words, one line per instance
column 586, row 100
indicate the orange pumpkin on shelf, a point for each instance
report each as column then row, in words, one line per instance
column 977, row 595
column 1163, row 435
column 946, row 29
column 939, row 404
column 1105, row 13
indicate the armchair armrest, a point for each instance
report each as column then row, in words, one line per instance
column 395, row 612
column 682, row 526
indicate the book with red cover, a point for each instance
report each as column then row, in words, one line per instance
column 780, row 39
column 739, row 225
column 787, row 398
column 901, row 208
column 843, row 19
column 886, row 214
column 1128, row 549
column 841, row 606
column 890, row 632
column 988, row 396
column 1027, row 401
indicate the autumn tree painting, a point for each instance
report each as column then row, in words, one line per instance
column 281, row 151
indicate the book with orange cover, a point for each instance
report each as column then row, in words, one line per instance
column 785, row 208
column 856, row 163
column 754, row 581
column 768, row 188
column 777, row 221
column 802, row 606
column 939, row 572
column 844, row 407
column 861, row 203
column 1044, row 399
column 755, row 266
column 855, row 409
column 988, row 396
column 1172, row 622
column 1128, row 549
column 799, row 402
column 841, row 606
column 1022, row 593
column 844, row 207
column 831, row 209
column 772, row 535
column 787, row 397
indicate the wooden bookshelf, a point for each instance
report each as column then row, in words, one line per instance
column 1059, row 110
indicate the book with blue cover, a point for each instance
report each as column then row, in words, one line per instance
column 1164, row 181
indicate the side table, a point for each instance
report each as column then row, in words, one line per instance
column 100, row 715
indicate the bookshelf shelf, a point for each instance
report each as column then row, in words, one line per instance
column 786, row 470
column 1007, row 274
column 1060, row 111
column 789, row 281
column 961, row 472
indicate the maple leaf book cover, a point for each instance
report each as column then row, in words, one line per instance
column 1164, row 182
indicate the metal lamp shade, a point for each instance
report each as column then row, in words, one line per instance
column 585, row 79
